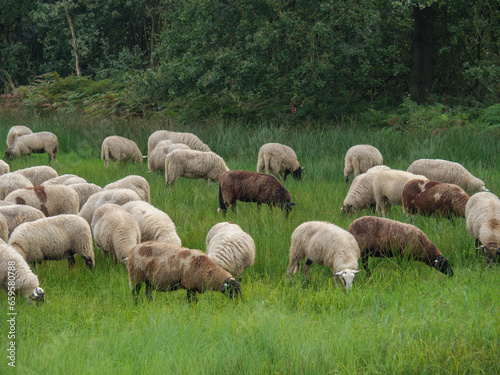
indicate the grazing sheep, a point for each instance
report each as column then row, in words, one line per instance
column 133, row 182
column 4, row 167
column 156, row 160
column 116, row 196
column 15, row 132
column 51, row 199
column 36, row 142
column 193, row 164
column 325, row 244
column 116, row 148
column 448, row 172
column 482, row 216
column 359, row 159
column 12, row 181
column 54, row 238
column 176, row 137
column 165, row 267
column 275, row 158
column 115, row 231
column 360, row 194
column 230, row 247
column 17, row 277
column 65, row 179
column 154, row 224
column 18, row 214
column 38, row 174
column 388, row 186
column 84, row 191
column 433, row 197
column 249, row 186
column 380, row 237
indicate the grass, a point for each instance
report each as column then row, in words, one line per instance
column 405, row 319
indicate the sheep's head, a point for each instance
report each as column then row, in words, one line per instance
column 442, row 264
column 288, row 207
column 347, row 277
column 8, row 154
column 89, row 262
column 231, row 287
column 37, row 295
column 347, row 209
column 491, row 251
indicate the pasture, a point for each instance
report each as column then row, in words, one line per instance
column 406, row 318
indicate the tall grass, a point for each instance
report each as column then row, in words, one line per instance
column 406, row 318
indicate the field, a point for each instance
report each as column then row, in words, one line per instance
column 407, row 318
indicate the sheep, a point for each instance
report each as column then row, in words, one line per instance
column 176, row 137
column 116, row 196
column 12, row 181
column 249, row 186
column 84, row 191
column 165, row 267
column 4, row 229
column 449, row 172
column 193, row 164
column 51, row 199
column 38, row 174
column 133, row 182
column 276, row 158
column 325, row 244
column 156, row 160
column 4, row 167
column 154, row 224
column 54, row 238
column 380, row 237
column 18, row 214
column 15, row 132
column 359, row 159
column 36, row 142
column 230, row 247
column 65, row 179
column 388, row 186
column 116, row 148
column 433, row 197
column 360, row 194
column 115, row 231
column 482, row 217
column 17, row 277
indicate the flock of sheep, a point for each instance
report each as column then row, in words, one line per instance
column 44, row 216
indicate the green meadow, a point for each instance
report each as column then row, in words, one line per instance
column 407, row 318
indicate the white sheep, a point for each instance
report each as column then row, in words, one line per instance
column 117, row 196
column 17, row 277
column 36, row 142
column 230, row 247
column 276, row 159
column 325, row 244
column 176, row 137
column 156, row 160
column 65, row 179
column 133, row 182
column 154, row 224
column 115, row 231
column 449, row 172
column 17, row 214
column 15, row 132
column 84, row 191
column 482, row 215
column 4, row 229
column 193, row 164
column 51, row 199
column 360, row 158
column 54, row 238
column 388, row 186
column 38, row 174
column 12, row 181
column 116, row 148
column 4, row 167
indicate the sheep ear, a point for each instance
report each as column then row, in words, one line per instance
column 338, row 273
column 355, row 271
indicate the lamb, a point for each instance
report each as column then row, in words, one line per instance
column 276, row 158
column 176, row 137
column 4, row 167
column 12, row 181
column 154, row 224
column 116, row 196
column 165, row 267
column 482, row 216
column 249, row 186
column 54, row 238
column 360, row 194
column 36, row 142
column 325, row 244
column 156, row 160
column 17, row 277
column 116, row 148
column 448, row 172
column 433, row 197
column 380, row 237
column 193, row 164
column 38, row 174
column 388, row 186
column 115, row 231
column 133, row 182
column 84, row 191
column 65, row 179
column 230, row 247
column 51, row 199
column 15, row 132
column 359, row 159
column 18, row 214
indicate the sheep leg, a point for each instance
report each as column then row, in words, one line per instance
column 149, row 291
column 306, row 267
column 478, row 245
column 293, row 267
column 136, row 289
column 191, row 295
column 71, row 260
column 222, row 204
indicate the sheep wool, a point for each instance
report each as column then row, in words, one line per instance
column 133, row 182
column 276, row 159
column 325, row 244
column 116, row 196
column 65, row 179
column 15, row 132
column 4, row 229
column 230, row 247
column 36, row 142
column 12, row 181
column 84, row 191
column 18, row 214
column 156, row 160
column 116, row 148
column 360, row 158
column 189, row 139
column 4, row 167
column 38, row 174
column 165, row 267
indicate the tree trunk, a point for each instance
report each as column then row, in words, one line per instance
column 73, row 40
